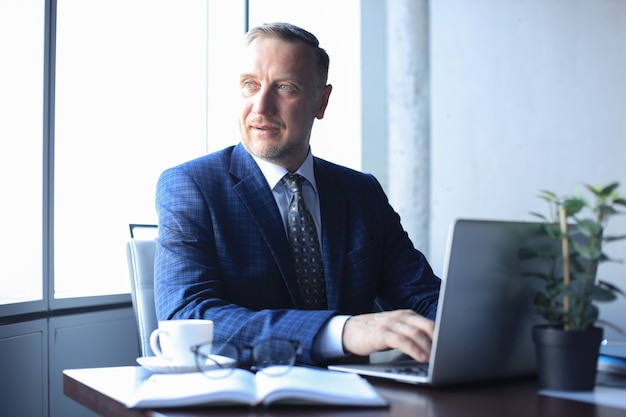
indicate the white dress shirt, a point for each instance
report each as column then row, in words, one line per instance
column 328, row 344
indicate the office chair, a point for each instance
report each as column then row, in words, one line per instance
column 140, row 256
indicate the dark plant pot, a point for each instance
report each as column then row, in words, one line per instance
column 567, row 360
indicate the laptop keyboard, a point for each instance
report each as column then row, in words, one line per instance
column 417, row 370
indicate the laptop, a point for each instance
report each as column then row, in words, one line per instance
column 485, row 311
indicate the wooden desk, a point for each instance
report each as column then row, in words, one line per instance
column 101, row 389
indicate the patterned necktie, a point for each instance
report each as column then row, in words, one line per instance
column 305, row 246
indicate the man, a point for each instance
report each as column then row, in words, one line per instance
column 224, row 253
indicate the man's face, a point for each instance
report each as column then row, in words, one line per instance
column 282, row 96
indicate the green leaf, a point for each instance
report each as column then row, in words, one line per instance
column 605, row 323
column 573, row 205
column 605, row 191
column 589, row 228
column 553, row 290
column 553, row 230
column 549, row 196
column 609, row 189
column 590, row 315
column 542, row 300
column 613, row 238
column 586, row 252
column 583, row 276
column 611, row 287
column 541, row 216
column 602, row 294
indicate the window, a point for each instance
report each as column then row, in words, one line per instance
column 21, row 155
column 136, row 86
column 131, row 93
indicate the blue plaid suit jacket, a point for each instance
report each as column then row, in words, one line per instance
column 223, row 254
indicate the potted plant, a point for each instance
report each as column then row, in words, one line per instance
column 567, row 346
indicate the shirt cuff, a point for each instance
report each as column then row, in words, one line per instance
column 329, row 342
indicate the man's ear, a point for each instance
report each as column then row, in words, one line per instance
column 324, row 101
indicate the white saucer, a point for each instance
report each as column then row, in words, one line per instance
column 160, row 365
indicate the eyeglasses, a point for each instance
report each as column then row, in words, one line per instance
column 272, row 356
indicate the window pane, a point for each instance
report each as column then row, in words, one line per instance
column 225, row 38
column 21, row 109
column 131, row 94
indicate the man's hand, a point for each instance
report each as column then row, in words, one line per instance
column 404, row 330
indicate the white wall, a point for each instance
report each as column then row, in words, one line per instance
column 526, row 95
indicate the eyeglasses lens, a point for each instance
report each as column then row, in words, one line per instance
column 274, row 353
column 217, row 360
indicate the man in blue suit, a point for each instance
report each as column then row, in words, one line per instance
column 223, row 251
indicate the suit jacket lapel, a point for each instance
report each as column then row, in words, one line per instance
column 259, row 201
column 333, row 209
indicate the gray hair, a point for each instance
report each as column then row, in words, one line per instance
column 293, row 33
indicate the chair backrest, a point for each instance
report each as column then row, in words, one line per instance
column 140, row 255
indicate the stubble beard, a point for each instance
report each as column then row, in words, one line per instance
column 279, row 154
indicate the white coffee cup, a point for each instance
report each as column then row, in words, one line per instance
column 173, row 339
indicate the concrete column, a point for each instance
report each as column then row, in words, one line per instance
column 408, row 106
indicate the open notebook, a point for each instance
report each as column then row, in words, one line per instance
column 485, row 312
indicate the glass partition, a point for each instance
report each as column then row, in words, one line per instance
column 21, row 155
column 131, row 94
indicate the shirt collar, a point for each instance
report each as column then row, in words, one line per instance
column 274, row 173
